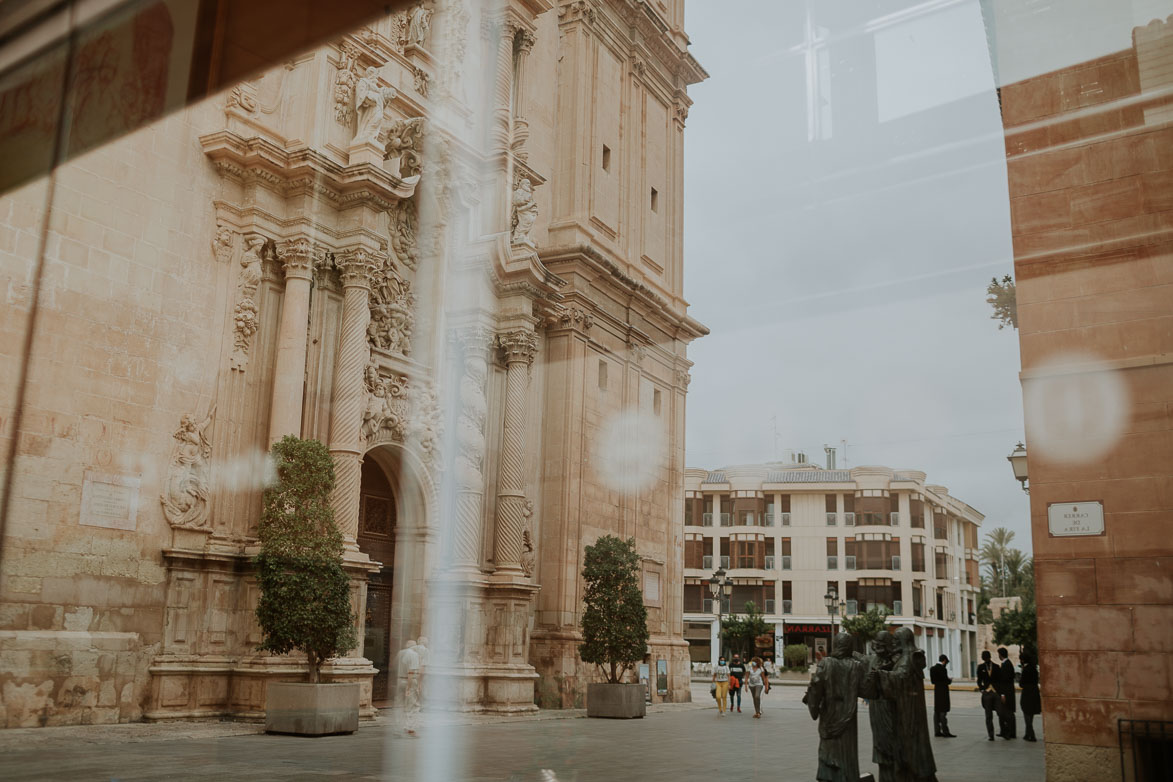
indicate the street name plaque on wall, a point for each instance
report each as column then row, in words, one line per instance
column 109, row 501
column 1075, row 518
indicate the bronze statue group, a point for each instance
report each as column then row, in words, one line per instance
column 892, row 680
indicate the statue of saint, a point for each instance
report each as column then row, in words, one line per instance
column 831, row 698
column 370, row 101
column 188, row 488
column 904, row 685
column 525, row 212
column 418, row 22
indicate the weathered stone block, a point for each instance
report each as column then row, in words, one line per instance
column 311, row 709
column 615, row 701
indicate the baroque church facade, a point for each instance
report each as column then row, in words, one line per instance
column 449, row 247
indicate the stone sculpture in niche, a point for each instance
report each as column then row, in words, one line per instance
column 525, row 212
column 345, row 81
column 245, row 316
column 419, row 20
column 370, row 102
column 387, row 405
column 392, row 315
column 185, row 498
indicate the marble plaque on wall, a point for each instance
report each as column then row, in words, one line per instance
column 1075, row 518
column 109, row 501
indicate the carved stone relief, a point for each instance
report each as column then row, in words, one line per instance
column 528, row 558
column 370, row 104
column 574, row 317
column 421, row 80
column 404, row 226
column 222, row 244
column 525, row 213
column 244, row 317
column 405, row 140
column 419, row 21
column 392, row 314
column 398, row 410
column 188, row 487
column 345, row 82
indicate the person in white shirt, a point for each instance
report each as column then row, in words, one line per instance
column 756, row 680
column 721, row 679
column 408, row 691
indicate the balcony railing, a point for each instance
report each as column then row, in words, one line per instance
column 894, row 518
column 769, row 562
column 832, row 563
column 786, row 562
column 849, row 563
column 848, row 519
column 769, row 606
column 768, row 519
column 787, row 605
column 785, row 519
column 706, row 519
column 707, row 562
column 726, row 520
column 895, row 561
column 897, row 607
column 832, row 519
column 852, row 607
column 725, row 562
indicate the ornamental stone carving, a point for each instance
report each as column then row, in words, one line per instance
column 577, row 10
column 405, row 140
column 244, row 317
column 683, row 378
column 300, row 256
column 370, row 103
column 528, row 558
column 386, row 405
column 519, row 345
column 525, row 213
column 392, row 314
column 470, row 433
column 188, row 487
column 404, row 226
column 636, row 352
column 345, row 81
column 420, row 80
column 222, row 244
column 573, row 317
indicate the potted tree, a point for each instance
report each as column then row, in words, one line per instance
column 614, row 626
column 305, row 594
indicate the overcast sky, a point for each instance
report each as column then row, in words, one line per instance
column 841, row 259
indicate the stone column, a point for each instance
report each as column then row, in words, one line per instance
column 297, row 256
column 525, row 44
column 470, row 456
column 357, row 266
column 519, row 348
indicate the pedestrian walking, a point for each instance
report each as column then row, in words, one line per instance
column 736, row 679
column 1004, row 684
column 986, row 674
column 721, row 679
column 1031, row 703
column 421, row 650
column 407, row 666
column 756, row 680
column 939, row 676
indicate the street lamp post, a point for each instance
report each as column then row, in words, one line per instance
column 719, row 586
column 831, row 600
column 1017, row 459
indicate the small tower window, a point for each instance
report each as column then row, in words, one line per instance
column 655, row 200
column 606, row 158
column 602, row 375
column 656, row 401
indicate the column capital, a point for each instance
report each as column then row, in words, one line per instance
column 519, row 345
column 473, row 340
column 299, row 256
column 358, row 265
column 526, row 40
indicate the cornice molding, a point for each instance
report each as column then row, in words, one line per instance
column 257, row 160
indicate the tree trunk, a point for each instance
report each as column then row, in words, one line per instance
column 614, row 678
column 315, row 663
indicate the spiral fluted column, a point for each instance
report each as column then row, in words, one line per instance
column 298, row 257
column 357, row 267
column 470, row 454
column 519, row 348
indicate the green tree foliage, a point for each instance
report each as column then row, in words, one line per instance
column 795, row 655
column 1003, row 297
column 1008, row 571
column 1019, row 626
column 305, row 593
column 865, row 626
column 614, row 620
column 739, row 632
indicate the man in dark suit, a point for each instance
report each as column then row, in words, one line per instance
column 1004, row 685
column 939, row 676
column 987, row 672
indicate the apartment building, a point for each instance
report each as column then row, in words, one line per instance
column 787, row 534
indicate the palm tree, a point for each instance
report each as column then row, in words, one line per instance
column 993, row 555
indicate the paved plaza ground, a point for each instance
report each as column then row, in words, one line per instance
column 675, row 742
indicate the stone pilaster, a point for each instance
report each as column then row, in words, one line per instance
column 519, row 348
column 297, row 256
column 357, row 266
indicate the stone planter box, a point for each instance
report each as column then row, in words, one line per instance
column 616, row 701
column 311, row 709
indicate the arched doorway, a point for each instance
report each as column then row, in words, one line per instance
column 377, row 523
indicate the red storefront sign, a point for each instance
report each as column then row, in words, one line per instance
column 807, row 628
